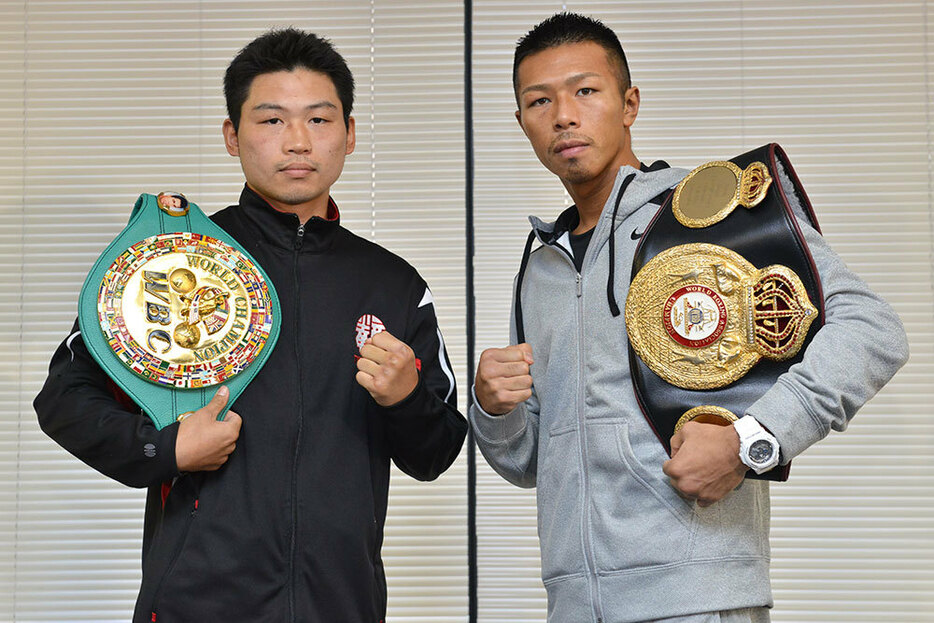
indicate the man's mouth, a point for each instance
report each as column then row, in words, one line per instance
column 570, row 148
column 298, row 169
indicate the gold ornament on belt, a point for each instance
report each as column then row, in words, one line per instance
column 709, row 193
column 706, row 414
column 184, row 309
column 700, row 315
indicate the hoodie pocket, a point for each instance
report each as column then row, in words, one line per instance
column 559, row 502
column 637, row 518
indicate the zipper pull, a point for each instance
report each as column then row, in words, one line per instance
column 579, row 289
column 300, row 237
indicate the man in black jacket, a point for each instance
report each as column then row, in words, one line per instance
column 276, row 513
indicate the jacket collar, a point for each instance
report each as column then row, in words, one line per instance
column 648, row 186
column 284, row 230
column 632, row 189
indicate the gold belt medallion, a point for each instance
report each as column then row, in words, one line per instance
column 709, row 193
column 700, row 315
column 184, row 309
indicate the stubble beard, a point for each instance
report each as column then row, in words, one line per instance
column 575, row 173
column 293, row 196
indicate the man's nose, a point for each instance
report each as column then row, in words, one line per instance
column 566, row 113
column 298, row 139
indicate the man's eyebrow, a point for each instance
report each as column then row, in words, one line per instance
column 571, row 80
column 314, row 106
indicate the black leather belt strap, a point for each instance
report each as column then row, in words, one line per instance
column 766, row 234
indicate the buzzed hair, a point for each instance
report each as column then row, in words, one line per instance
column 564, row 28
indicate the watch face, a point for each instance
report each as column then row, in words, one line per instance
column 760, row 452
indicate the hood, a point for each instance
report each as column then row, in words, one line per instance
column 632, row 189
column 649, row 184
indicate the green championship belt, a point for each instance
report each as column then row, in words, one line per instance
column 175, row 307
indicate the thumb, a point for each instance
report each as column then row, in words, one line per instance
column 218, row 402
column 233, row 418
column 526, row 349
column 676, row 440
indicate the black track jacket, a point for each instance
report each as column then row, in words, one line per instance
column 290, row 528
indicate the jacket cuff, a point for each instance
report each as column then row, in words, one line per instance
column 164, row 463
column 788, row 418
column 411, row 404
column 496, row 428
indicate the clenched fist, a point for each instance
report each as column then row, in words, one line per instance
column 503, row 378
column 386, row 369
column 704, row 464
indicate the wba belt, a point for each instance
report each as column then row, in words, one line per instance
column 725, row 296
column 175, row 307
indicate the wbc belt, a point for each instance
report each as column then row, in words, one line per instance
column 725, row 295
column 175, row 307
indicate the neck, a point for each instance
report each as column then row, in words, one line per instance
column 304, row 211
column 592, row 195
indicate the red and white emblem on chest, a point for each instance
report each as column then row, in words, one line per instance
column 368, row 325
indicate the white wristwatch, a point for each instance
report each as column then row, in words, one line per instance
column 758, row 449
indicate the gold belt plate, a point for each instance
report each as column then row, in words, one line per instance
column 184, row 309
column 700, row 315
column 709, row 193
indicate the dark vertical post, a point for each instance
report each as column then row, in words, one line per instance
column 471, row 311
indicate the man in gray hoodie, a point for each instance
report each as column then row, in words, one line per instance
column 627, row 533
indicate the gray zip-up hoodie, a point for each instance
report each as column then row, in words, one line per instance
column 618, row 543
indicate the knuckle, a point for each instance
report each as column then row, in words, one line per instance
column 691, row 488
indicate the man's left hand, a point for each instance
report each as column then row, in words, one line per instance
column 704, row 464
column 386, row 369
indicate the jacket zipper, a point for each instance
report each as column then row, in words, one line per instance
column 299, row 239
column 582, row 440
column 175, row 555
column 581, row 437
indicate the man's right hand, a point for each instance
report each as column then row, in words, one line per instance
column 203, row 443
column 503, row 378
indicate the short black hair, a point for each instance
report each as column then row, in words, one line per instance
column 564, row 28
column 285, row 49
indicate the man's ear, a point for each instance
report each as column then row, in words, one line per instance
column 630, row 106
column 519, row 120
column 351, row 136
column 230, row 138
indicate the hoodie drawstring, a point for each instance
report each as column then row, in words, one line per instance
column 520, row 326
column 610, row 281
column 610, row 295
